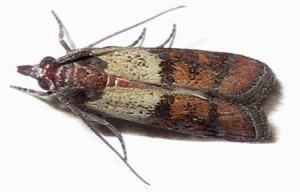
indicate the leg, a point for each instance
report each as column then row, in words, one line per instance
column 33, row 92
column 86, row 117
column 140, row 39
column 62, row 31
column 89, row 119
column 79, row 114
column 170, row 38
column 95, row 119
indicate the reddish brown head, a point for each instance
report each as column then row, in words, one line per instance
column 40, row 72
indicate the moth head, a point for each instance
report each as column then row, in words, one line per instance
column 41, row 72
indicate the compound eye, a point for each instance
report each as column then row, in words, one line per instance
column 47, row 61
column 44, row 84
column 43, row 79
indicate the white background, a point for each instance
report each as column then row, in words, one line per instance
column 43, row 149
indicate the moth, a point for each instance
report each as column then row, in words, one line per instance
column 201, row 93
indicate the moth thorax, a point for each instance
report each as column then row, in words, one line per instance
column 85, row 77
